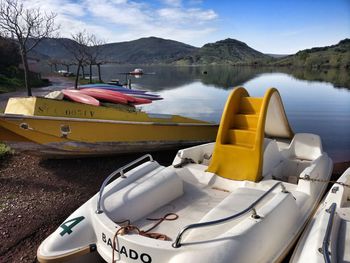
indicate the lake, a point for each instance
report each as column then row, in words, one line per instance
column 315, row 101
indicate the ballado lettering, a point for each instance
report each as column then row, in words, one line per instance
column 129, row 253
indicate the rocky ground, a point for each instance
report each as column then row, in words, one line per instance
column 37, row 195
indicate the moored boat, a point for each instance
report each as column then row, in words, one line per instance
column 61, row 128
column 327, row 236
column 136, row 71
column 218, row 202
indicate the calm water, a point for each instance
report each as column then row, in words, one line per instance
column 320, row 106
column 315, row 101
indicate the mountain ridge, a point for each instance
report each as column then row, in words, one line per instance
column 154, row 50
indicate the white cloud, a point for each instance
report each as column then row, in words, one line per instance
column 123, row 20
column 186, row 16
column 173, row 2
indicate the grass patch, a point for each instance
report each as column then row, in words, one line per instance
column 4, row 150
column 15, row 81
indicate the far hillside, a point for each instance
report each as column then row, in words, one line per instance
column 336, row 56
column 228, row 51
column 153, row 50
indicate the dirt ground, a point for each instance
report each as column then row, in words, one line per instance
column 37, row 195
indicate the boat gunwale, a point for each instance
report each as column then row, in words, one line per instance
column 7, row 116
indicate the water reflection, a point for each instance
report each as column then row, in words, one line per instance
column 315, row 101
column 314, row 106
column 340, row 78
column 169, row 77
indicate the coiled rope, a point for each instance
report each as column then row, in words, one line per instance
column 129, row 228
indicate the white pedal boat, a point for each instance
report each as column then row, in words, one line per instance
column 252, row 212
column 327, row 236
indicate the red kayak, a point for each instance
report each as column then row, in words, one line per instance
column 105, row 96
column 110, row 95
column 77, row 96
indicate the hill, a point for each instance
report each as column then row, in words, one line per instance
column 149, row 50
column 337, row 56
column 52, row 48
column 228, row 51
column 152, row 50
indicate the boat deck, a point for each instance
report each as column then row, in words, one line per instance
column 202, row 202
column 193, row 205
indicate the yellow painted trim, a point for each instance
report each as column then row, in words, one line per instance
column 64, row 257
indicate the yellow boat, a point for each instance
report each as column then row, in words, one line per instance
column 61, row 128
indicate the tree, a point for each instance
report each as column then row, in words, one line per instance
column 67, row 64
column 53, row 63
column 28, row 25
column 79, row 50
column 94, row 55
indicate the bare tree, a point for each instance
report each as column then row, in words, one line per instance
column 94, row 55
column 28, row 25
column 79, row 50
column 67, row 64
column 53, row 64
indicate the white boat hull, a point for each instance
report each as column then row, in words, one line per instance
column 196, row 196
column 310, row 246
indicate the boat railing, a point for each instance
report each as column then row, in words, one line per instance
column 327, row 235
column 120, row 171
column 177, row 242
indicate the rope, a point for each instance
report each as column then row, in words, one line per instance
column 129, row 228
column 183, row 162
column 167, row 217
column 308, row 178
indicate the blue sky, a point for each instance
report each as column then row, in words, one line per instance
column 271, row 26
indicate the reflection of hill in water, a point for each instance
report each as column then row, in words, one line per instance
column 228, row 77
column 340, row 78
column 165, row 77
column 169, row 77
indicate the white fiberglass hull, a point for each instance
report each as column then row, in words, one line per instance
column 314, row 245
column 196, row 196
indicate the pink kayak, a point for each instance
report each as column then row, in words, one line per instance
column 77, row 96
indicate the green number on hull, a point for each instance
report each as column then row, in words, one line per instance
column 68, row 228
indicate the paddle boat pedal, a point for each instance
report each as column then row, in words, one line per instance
column 217, row 217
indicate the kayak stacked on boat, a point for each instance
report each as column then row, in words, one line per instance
column 244, row 198
column 131, row 92
column 327, row 236
column 94, row 94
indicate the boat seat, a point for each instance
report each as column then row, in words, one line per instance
column 287, row 165
column 145, row 195
column 289, row 170
column 304, row 146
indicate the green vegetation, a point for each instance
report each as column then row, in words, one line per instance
column 336, row 56
column 11, row 76
column 226, row 52
column 4, row 150
column 15, row 80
